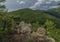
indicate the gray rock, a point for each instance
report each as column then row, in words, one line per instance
column 23, row 28
column 40, row 36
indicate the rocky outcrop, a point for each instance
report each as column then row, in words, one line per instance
column 23, row 28
column 40, row 36
column 24, row 32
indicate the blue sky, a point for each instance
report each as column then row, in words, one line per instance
column 33, row 4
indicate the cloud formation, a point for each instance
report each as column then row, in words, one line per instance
column 39, row 2
column 34, row 4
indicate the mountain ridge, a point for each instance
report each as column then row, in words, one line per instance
column 36, row 15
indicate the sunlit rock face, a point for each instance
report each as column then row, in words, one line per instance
column 33, row 4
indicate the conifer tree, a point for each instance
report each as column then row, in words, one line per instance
column 2, row 7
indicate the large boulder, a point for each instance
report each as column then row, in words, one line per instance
column 23, row 28
column 40, row 36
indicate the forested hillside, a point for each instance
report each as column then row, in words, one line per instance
column 40, row 16
column 57, row 10
column 11, row 26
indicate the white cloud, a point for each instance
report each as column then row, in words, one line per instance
column 55, row 0
column 20, row 2
column 54, row 6
column 48, row 2
column 39, row 2
column 17, row 1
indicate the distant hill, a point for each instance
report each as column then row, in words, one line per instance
column 41, row 16
column 57, row 10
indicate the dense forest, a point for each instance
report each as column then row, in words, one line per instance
column 37, row 18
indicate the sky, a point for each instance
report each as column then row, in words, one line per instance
column 33, row 4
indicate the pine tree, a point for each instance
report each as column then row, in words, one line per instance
column 50, row 28
column 2, row 7
column 49, row 24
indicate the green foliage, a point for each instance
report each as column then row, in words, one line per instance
column 35, row 26
column 57, row 10
column 38, row 18
column 30, row 39
column 2, row 7
column 2, row 22
column 7, row 25
column 2, row 0
column 49, row 24
column 52, row 31
column 32, row 16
